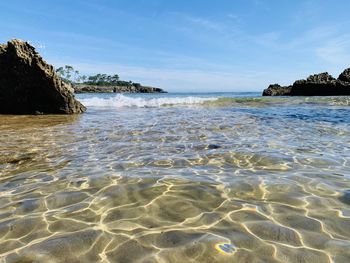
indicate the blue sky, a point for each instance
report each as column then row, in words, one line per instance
column 187, row 45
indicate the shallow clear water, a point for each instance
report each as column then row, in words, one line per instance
column 178, row 178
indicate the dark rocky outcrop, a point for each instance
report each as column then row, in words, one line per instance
column 83, row 88
column 28, row 85
column 322, row 84
column 277, row 90
column 345, row 75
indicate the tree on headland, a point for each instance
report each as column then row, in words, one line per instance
column 70, row 75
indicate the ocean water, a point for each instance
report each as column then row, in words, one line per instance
column 220, row 177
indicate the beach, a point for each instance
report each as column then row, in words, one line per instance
column 200, row 177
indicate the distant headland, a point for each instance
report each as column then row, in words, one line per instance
column 322, row 84
column 101, row 83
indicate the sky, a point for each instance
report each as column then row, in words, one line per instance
column 187, row 45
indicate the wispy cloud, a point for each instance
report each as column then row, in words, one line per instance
column 205, row 23
column 336, row 50
column 315, row 40
column 269, row 39
column 307, row 11
column 220, row 31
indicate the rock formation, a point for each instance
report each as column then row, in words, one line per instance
column 277, row 90
column 28, row 85
column 322, row 84
column 345, row 76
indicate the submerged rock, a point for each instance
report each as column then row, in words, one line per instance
column 345, row 198
column 28, row 85
column 213, row 146
column 322, row 84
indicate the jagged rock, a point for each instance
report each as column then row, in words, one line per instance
column 28, row 85
column 345, row 75
column 322, row 84
column 322, row 78
column 277, row 90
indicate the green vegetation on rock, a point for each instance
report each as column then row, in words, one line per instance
column 70, row 75
column 101, row 82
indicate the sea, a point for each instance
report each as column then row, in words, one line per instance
column 178, row 177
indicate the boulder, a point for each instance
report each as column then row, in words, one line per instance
column 277, row 90
column 28, row 85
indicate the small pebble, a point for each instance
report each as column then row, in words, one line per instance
column 225, row 248
column 213, row 146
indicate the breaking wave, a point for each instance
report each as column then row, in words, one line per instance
column 120, row 101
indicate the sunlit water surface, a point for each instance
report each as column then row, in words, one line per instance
column 178, row 178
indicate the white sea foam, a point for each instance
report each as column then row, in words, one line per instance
column 120, row 100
